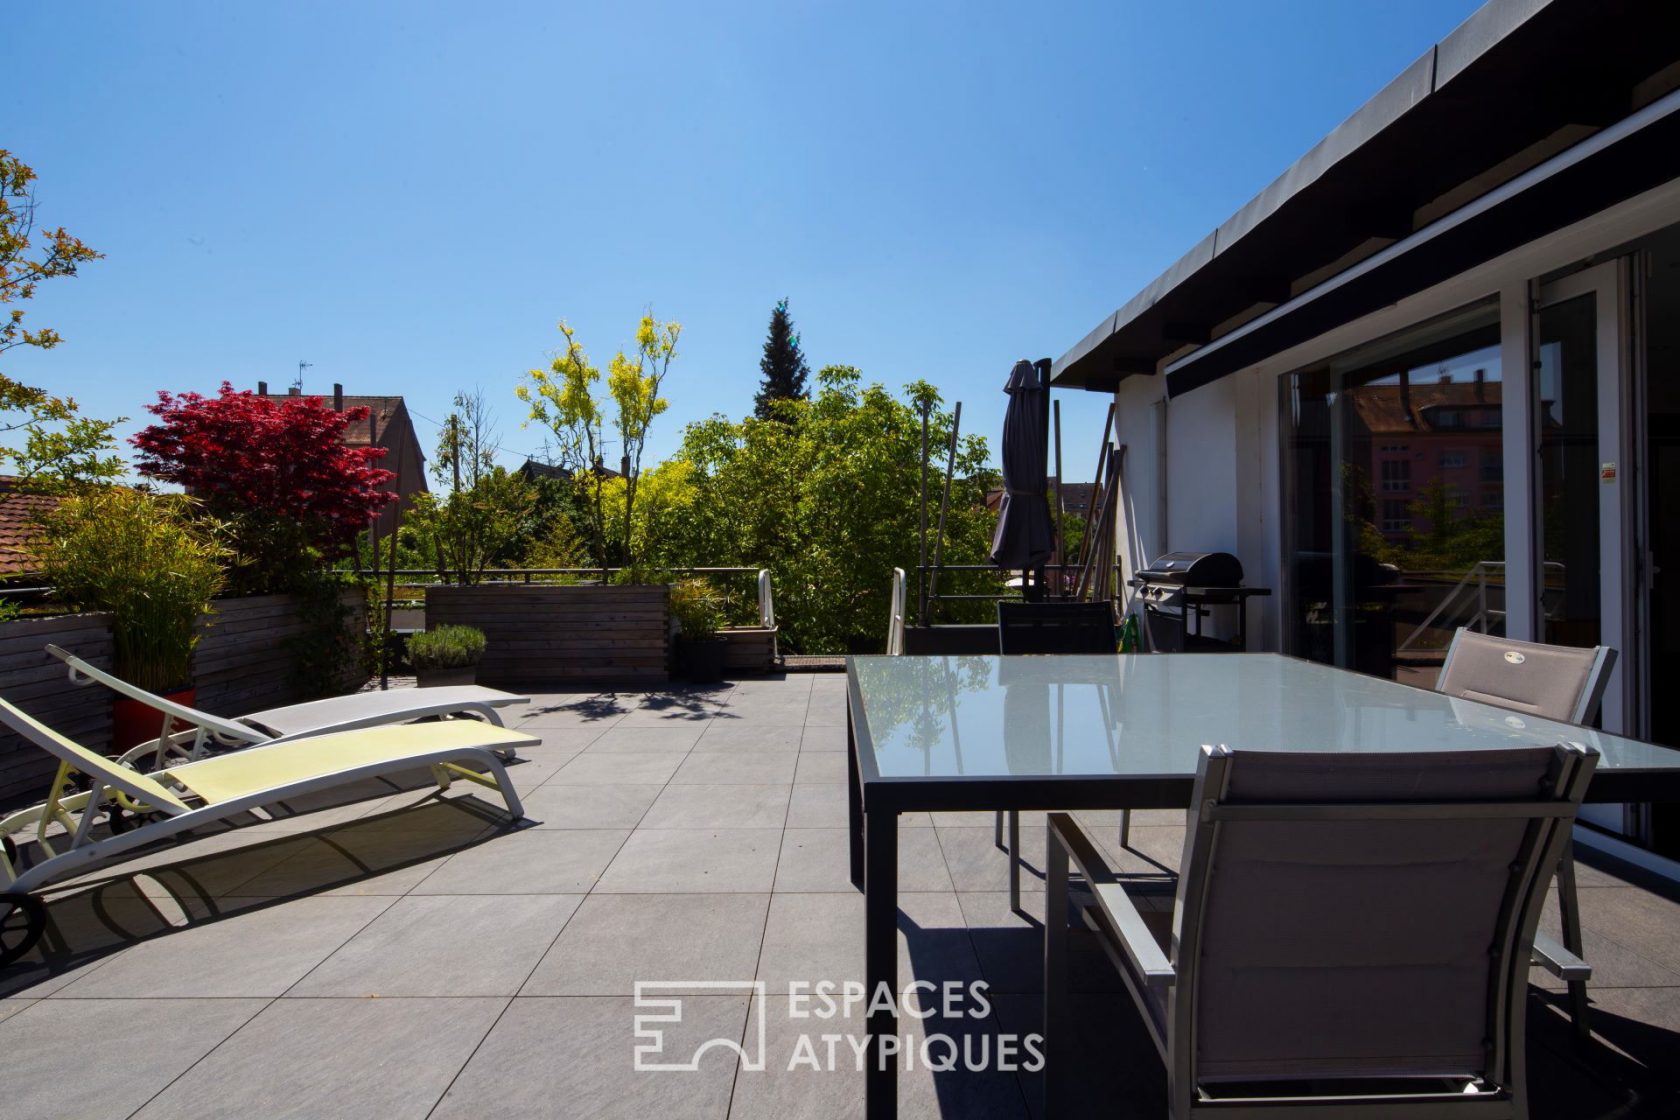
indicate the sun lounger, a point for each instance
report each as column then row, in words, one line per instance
column 186, row 796
column 277, row 725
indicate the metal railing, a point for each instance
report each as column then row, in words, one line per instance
column 895, row 616
column 1472, row 592
column 1058, row 586
column 766, row 602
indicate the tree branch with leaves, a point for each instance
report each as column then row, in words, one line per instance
column 60, row 447
column 562, row 398
column 634, row 385
column 481, row 509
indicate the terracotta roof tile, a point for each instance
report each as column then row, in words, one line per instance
column 18, row 529
column 1382, row 410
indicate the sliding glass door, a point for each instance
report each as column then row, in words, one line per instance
column 1394, row 479
column 1584, row 478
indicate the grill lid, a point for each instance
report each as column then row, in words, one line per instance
column 1194, row 569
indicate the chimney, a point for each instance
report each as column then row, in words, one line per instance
column 1481, row 385
column 338, row 397
column 1406, row 398
column 262, row 388
column 294, row 391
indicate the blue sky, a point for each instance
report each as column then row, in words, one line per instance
column 409, row 195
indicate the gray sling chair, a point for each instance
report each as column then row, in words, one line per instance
column 1553, row 682
column 1349, row 935
column 1048, row 628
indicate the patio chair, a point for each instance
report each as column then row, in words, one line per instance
column 205, row 732
column 1049, row 628
column 1552, row 682
column 1349, row 934
column 187, row 796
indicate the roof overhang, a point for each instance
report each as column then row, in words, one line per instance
column 1514, row 88
column 1624, row 160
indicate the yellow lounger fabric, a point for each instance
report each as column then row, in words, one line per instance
column 280, row 764
column 91, row 764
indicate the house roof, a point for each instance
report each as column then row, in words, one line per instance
column 1506, row 96
column 531, row 469
column 1076, row 496
column 18, row 530
column 380, row 411
column 1387, row 410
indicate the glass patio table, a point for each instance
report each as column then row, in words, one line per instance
column 1124, row 732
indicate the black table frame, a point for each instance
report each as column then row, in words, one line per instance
column 875, row 801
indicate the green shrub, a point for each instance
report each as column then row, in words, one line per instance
column 640, row 575
column 697, row 607
column 447, row 647
column 141, row 557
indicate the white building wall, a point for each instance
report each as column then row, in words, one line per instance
column 1142, row 525
column 1201, row 475
column 1202, row 469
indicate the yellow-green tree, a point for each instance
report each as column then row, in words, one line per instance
column 563, row 399
column 663, row 517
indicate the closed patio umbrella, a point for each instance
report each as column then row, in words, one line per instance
column 1023, row 537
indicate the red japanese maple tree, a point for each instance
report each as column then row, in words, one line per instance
column 275, row 470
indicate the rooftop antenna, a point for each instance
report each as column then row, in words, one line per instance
column 302, row 365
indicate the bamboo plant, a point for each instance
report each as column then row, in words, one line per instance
column 141, row 557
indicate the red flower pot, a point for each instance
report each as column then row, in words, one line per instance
column 133, row 723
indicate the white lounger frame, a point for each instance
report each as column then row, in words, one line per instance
column 205, row 730
column 85, row 851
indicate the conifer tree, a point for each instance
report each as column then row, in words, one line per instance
column 783, row 365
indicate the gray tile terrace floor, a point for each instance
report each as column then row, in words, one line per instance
column 402, row 955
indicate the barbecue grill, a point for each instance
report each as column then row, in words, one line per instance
column 1181, row 589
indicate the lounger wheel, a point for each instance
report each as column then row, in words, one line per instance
column 22, row 921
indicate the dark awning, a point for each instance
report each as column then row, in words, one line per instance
column 1517, row 83
column 1612, row 166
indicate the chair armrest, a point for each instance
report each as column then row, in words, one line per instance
column 1139, row 945
column 1118, row 910
column 1558, row 961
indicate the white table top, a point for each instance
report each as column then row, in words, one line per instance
column 1112, row 716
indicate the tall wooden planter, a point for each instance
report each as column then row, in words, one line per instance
column 39, row 684
column 557, row 635
column 248, row 652
column 750, row 649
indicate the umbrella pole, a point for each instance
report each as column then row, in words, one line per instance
column 922, row 568
column 1042, row 368
column 1061, row 507
column 944, row 504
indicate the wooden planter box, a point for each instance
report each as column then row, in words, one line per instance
column 552, row 635
column 750, row 650
column 247, row 658
column 40, row 684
